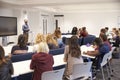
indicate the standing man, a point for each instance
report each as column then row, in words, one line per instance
column 26, row 29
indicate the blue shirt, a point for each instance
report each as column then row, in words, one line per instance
column 25, row 28
column 60, row 43
column 104, row 49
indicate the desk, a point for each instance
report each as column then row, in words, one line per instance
column 84, row 48
column 67, row 36
column 23, row 67
column 8, row 48
column 58, row 60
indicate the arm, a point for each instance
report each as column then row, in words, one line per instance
column 25, row 28
column 32, row 64
column 20, row 52
column 11, row 70
column 93, row 53
column 66, row 53
column 52, row 60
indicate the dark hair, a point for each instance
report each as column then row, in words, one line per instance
column 106, row 28
column 2, row 55
column 74, row 48
column 117, row 32
column 104, row 37
column 22, row 40
column 102, row 30
column 97, row 42
column 74, row 30
column 83, row 28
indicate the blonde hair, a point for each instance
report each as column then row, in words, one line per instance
column 39, row 38
column 50, row 39
column 43, row 47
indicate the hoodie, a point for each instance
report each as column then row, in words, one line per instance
column 40, row 63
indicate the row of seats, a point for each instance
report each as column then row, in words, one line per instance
column 28, row 56
column 82, row 41
column 80, row 71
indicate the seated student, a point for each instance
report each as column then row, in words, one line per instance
column 41, row 61
column 117, row 39
column 105, row 40
column 52, row 43
column 21, row 46
column 75, row 31
column 72, row 55
column 102, row 32
column 39, row 38
column 6, row 67
column 84, row 32
column 57, row 35
column 100, row 50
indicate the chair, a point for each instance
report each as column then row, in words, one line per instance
column 109, row 60
column 22, row 57
column 57, row 51
column 53, row 75
column 81, row 71
column 105, row 63
column 88, row 39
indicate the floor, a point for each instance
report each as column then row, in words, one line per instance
column 116, row 71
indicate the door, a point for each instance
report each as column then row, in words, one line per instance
column 44, row 26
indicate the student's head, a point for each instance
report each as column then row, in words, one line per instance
column 22, row 40
column 97, row 42
column 106, row 28
column 117, row 32
column 2, row 53
column 83, row 28
column 103, row 30
column 50, row 39
column 57, row 33
column 43, row 47
column 73, row 40
column 39, row 38
column 74, row 48
column 114, row 29
column 103, row 37
column 74, row 30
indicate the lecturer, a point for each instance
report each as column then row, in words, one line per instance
column 26, row 29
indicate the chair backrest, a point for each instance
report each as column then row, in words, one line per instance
column 30, row 48
column 105, row 59
column 57, row 51
column 88, row 39
column 22, row 57
column 53, row 75
column 81, row 70
column 110, row 53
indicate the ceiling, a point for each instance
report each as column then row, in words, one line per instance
column 64, row 5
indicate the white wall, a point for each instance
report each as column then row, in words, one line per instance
column 34, row 20
column 93, row 21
